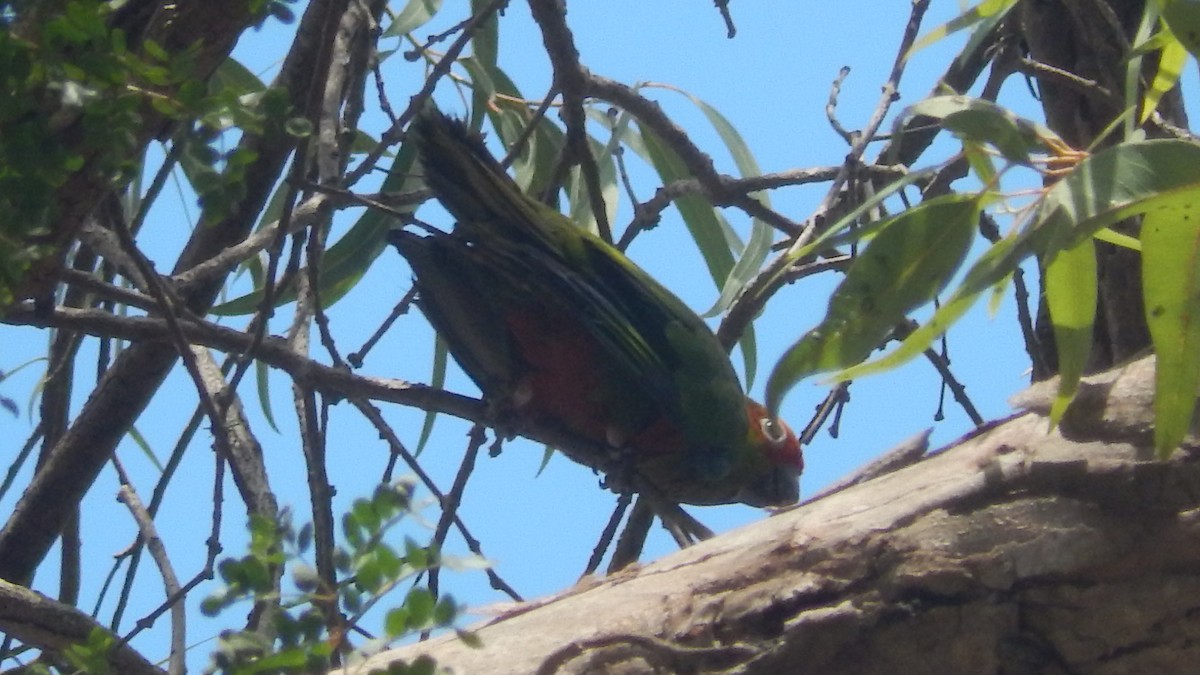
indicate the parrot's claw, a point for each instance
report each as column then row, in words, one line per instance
column 504, row 416
column 622, row 467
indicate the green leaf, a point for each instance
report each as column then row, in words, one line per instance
column 365, row 515
column 1170, row 66
column 420, row 605
column 1071, row 298
column 353, row 531
column 414, row 15
column 262, row 380
column 906, row 263
column 842, row 231
column 1114, row 184
column 992, row 10
column 580, row 201
column 233, row 77
column 287, row 659
column 144, row 445
column 485, row 42
column 445, row 612
column 364, row 143
column 698, row 214
column 470, row 639
column 759, row 245
column 299, row 127
column 396, row 623
column 437, row 380
column 547, row 453
column 749, row 347
column 982, row 121
column 1171, row 286
column 1183, row 17
column 1111, row 236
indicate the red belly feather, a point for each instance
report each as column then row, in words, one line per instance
column 569, row 384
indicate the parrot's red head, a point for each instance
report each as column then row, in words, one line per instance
column 771, row 439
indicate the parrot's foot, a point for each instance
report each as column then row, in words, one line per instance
column 621, row 475
column 505, row 417
column 682, row 526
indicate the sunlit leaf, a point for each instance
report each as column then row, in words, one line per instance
column 1171, row 285
column 1071, row 298
column 1112, row 185
column 1170, row 65
column 992, row 10
column 906, row 263
column 1111, row 236
column 1183, row 17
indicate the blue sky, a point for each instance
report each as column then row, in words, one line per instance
column 772, row 82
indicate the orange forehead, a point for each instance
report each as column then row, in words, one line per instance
column 783, row 449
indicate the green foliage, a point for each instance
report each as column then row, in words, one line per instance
column 91, row 655
column 1086, row 194
column 74, row 77
column 372, row 568
column 910, row 258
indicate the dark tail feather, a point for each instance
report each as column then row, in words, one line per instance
column 470, row 183
column 458, row 167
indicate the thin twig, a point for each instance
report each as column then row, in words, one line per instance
column 158, row 552
column 476, row 439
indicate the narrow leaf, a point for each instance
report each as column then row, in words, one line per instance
column 988, row 9
column 984, row 122
column 262, row 380
column 697, row 213
column 1116, row 183
column 437, row 380
column 1171, row 285
column 1071, row 297
column 414, row 15
column 1170, row 66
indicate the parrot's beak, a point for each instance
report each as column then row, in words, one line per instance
column 780, row 487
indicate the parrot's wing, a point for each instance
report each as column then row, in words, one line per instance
column 686, row 360
column 649, row 335
column 452, row 296
column 541, row 245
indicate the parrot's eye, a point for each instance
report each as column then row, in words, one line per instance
column 773, row 430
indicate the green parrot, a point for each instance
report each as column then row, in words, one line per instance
column 564, row 330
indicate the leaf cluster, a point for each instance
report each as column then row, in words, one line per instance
column 371, row 567
column 912, row 256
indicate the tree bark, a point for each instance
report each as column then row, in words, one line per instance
column 1082, row 48
column 1014, row 550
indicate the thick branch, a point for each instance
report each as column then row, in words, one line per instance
column 37, row 620
column 1013, row 551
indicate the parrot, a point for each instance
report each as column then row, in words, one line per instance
column 567, row 331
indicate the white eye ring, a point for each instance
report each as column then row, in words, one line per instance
column 772, row 430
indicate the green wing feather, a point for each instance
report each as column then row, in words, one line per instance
column 650, row 335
